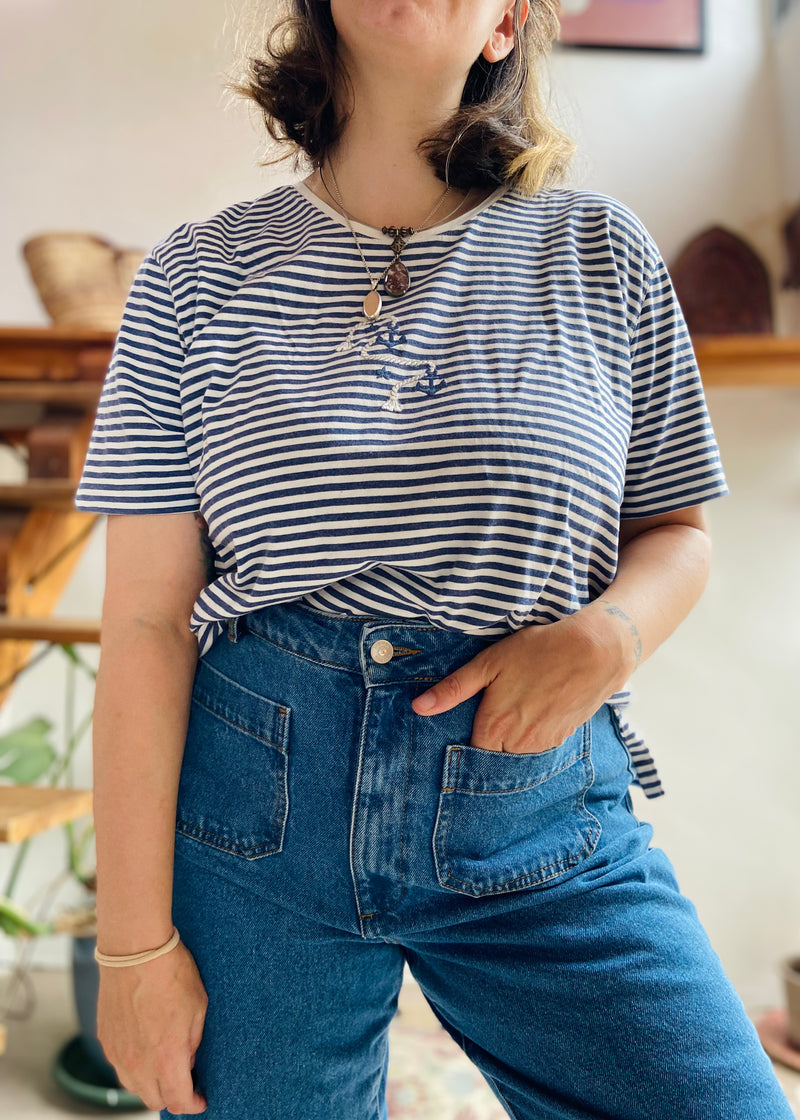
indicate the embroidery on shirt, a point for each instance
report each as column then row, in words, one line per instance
column 387, row 335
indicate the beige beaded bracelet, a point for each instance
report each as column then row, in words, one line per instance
column 137, row 958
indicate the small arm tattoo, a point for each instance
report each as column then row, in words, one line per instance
column 206, row 548
column 637, row 649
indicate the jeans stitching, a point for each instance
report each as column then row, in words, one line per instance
column 225, row 717
column 222, row 845
column 530, row 878
column 533, row 877
column 209, row 668
column 593, row 837
column 356, row 788
column 520, row 789
column 440, row 843
column 334, row 664
column 497, row 1090
column 305, row 656
column 262, row 847
column 403, row 818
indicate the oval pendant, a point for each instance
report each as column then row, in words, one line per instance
column 397, row 280
column 372, row 303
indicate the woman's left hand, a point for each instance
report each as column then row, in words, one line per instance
column 541, row 683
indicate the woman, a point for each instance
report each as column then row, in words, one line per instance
column 429, row 494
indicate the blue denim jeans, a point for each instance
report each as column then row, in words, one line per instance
column 326, row 834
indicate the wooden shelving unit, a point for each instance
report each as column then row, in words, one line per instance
column 50, row 383
column 755, row 360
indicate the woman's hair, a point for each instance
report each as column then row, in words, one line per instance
column 500, row 132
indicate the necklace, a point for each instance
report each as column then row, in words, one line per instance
column 395, row 274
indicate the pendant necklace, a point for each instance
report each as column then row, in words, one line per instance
column 395, row 275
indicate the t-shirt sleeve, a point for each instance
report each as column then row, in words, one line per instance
column 137, row 460
column 673, row 457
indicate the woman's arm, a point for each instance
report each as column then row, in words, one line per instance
column 156, row 565
column 543, row 682
column 663, row 568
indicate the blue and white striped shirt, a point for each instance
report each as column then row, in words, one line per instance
column 465, row 458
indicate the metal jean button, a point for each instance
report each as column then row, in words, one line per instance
column 381, row 651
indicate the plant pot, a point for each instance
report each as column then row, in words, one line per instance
column 791, row 979
column 81, row 1067
column 86, row 986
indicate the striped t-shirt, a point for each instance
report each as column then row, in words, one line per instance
column 464, row 458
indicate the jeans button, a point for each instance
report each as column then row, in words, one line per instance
column 381, row 651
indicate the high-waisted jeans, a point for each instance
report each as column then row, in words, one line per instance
column 326, row 834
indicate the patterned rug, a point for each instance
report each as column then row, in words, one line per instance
column 431, row 1079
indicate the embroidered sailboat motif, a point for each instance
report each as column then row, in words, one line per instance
column 370, row 338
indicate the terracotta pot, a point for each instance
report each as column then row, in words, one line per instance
column 791, row 979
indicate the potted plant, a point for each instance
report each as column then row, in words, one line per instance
column 28, row 757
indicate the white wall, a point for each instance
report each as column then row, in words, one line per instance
column 786, row 45
column 119, row 127
column 117, row 124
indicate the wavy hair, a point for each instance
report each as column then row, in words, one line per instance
column 500, row 132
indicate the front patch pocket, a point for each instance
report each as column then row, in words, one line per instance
column 511, row 821
column 233, row 791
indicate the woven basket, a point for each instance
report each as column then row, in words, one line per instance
column 128, row 261
column 82, row 280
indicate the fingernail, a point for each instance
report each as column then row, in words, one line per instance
column 425, row 701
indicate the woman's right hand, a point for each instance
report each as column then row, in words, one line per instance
column 150, row 1020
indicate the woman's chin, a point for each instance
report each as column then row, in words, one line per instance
column 383, row 25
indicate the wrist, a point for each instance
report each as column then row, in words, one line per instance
column 117, row 942
column 615, row 636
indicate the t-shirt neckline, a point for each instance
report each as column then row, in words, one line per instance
column 377, row 234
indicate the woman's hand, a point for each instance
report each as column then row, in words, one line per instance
column 150, row 1020
column 542, row 682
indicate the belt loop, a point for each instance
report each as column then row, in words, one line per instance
column 233, row 629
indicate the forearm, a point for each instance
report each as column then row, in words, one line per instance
column 660, row 577
column 141, row 714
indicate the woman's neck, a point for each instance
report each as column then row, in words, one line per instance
column 382, row 178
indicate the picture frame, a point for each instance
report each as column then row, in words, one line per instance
column 641, row 25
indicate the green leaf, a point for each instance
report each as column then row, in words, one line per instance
column 30, row 734
column 15, row 920
column 29, row 766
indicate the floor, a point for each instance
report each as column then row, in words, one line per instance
column 429, row 1078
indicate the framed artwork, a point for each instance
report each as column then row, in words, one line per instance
column 643, row 25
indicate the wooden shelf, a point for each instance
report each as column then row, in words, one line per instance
column 80, row 394
column 39, row 493
column 758, row 360
column 70, row 336
column 28, row 810
column 54, row 353
column 61, row 630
